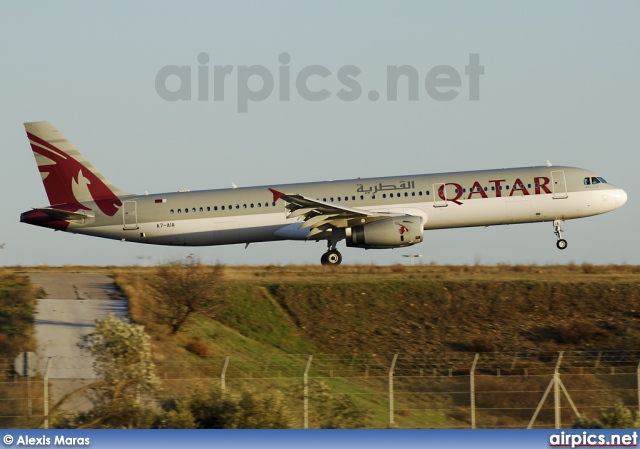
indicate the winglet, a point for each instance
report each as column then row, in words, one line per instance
column 276, row 195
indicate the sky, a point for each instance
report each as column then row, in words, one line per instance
column 559, row 82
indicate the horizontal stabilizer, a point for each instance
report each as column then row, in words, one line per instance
column 63, row 214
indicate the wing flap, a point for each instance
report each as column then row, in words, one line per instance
column 316, row 213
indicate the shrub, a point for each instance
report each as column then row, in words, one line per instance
column 617, row 417
column 198, row 347
column 183, row 288
column 122, row 353
column 217, row 409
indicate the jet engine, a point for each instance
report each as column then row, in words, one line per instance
column 392, row 232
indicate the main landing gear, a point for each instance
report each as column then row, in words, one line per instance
column 332, row 256
column 557, row 229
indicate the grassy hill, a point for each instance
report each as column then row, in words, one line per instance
column 354, row 318
column 423, row 309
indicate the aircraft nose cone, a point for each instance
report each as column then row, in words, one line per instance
column 620, row 197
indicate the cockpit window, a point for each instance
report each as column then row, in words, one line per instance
column 594, row 180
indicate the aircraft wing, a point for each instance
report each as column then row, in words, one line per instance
column 319, row 216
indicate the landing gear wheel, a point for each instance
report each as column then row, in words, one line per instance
column 331, row 257
column 557, row 230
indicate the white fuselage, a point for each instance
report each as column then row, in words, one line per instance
column 449, row 200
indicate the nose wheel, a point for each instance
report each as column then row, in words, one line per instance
column 557, row 229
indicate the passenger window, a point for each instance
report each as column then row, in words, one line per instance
column 179, row 211
column 273, row 204
column 222, row 207
column 171, row 211
column 353, row 198
column 201, row 209
column 186, row 210
column 237, row 206
column 384, row 195
column 338, row 198
column 406, row 194
column 251, row 205
column 244, row 206
column 208, row 208
column 259, row 204
column 361, row 197
column 215, row 207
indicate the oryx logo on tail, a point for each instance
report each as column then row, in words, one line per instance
column 70, row 180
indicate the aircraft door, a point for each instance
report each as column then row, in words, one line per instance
column 559, row 184
column 439, row 194
column 130, row 215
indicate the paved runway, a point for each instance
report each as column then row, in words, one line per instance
column 73, row 303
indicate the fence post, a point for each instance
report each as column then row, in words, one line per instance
column 556, row 391
column 306, row 392
column 473, row 391
column 223, row 384
column 391, row 369
column 46, row 394
column 638, row 375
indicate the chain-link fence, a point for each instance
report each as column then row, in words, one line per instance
column 487, row 390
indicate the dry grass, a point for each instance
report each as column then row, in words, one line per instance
column 295, row 273
column 550, row 273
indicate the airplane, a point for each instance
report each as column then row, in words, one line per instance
column 374, row 213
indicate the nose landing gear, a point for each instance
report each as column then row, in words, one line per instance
column 557, row 229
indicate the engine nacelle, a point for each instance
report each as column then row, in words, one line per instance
column 392, row 232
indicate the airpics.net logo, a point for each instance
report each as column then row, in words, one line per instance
column 254, row 83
